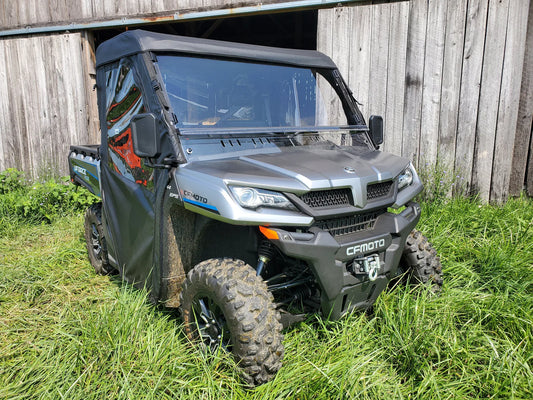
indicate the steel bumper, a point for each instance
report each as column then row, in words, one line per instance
column 344, row 287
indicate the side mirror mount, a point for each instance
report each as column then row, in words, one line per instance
column 144, row 135
column 375, row 124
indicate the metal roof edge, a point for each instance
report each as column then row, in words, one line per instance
column 177, row 17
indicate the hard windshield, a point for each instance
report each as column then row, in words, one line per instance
column 213, row 93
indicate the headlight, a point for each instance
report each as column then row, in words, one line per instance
column 254, row 198
column 405, row 178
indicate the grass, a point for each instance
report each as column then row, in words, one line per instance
column 66, row 333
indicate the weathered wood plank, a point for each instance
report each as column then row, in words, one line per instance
column 3, row 18
column 123, row 8
column 89, row 72
column 529, row 174
column 97, row 9
column 110, row 8
column 359, row 72
column 46, row 127
column 396, row 77
column 69, row 108
column 19, row 138
column 414, row 78
column 40, row 12
column 5, row 130
column 381, row 14
column 157, row 5
column 342, row 22
column 509, row 99
column 85, row 10
column 23, row 12
column 11, row 16
column 490, row 96
column 451, row 82
column 524, row 121
column 474, row 45
column 55, row 91
column 431, row 95
column 76, row 132
column 145, row 6
column 28, row 92
column 60, row 10
column 340, row 51
column 80, row 81
column 324, row 31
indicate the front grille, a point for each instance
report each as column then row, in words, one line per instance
column 378, row 190
column 350, row 224
column 328, row 198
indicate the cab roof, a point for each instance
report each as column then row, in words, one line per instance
column 139, row 41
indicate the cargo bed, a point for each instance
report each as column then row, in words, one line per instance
column 84, row 166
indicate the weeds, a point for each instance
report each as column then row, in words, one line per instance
column 37, row 202
column 11, row 180
column 441, row 183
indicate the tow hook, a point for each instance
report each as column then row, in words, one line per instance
column 367, row 265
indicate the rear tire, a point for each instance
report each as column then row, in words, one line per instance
column 225, row 304
column 95, row 240
column 420, row 261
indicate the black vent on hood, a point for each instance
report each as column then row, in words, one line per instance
column 378, row 190
column 328, row 198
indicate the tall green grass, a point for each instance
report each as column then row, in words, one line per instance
column 66, row 333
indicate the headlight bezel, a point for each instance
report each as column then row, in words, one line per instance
column 254, row 198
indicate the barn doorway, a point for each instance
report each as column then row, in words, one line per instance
column 290, row 30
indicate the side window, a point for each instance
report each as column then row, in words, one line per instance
column 124, row 99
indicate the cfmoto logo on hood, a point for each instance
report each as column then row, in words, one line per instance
column 350, row 170
column 364, row 247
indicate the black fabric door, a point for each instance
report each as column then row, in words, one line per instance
column 127, row 182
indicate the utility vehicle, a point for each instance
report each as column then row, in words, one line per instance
column 242, row 185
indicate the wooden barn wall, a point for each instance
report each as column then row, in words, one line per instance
column 22, row 13
column 46, row 101
column 453, row 80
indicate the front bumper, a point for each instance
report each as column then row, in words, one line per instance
column 332, row 261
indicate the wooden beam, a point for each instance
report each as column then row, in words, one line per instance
column 472, row 63
column 396, row 77
column 379, row 58
column 509, row 99
column 451, row 84
column 489, row 99
column 431, row 94
column 522, row 172
column 5, row 127
column 360, row 54
column 414, row 78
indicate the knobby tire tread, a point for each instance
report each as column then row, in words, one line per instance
column 249, row 310
column 93, row 215
column 421, row 261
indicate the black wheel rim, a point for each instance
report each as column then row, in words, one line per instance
column 95, row 242
column 211, row 325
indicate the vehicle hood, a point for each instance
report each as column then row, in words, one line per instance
column 304, row 168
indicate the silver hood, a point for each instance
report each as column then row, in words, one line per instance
column 294, row 170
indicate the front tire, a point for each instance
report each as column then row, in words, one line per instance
column 225, row 304
column 420, row 261
column 95, row 240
